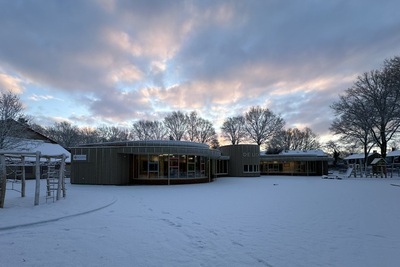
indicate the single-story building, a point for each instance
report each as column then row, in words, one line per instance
column 393, row 157
column 143, row 162
column 295, row 162
column 31, row 141
column 177, row 162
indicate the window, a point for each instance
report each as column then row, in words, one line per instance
column 174, row 167
column 251, row 168
column 153, row 166
column 256, row 169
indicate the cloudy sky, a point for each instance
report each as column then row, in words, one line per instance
column 96, row 62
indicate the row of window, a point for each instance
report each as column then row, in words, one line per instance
column 251, row 168
column 172, row 166
column 289, row 167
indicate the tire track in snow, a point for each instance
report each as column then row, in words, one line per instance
column 59, row 218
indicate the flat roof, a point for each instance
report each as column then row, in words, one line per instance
column 157, row 147
column 280, row 157
column 395, row 153
column 359, row 156
column 149, row 143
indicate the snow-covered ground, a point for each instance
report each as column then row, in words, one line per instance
column 266, row 221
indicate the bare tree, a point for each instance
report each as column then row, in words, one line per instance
column 157, row 130
column 192, row 126
column 140, row 130
column 386, row 104
column 214, row 144
column 10, row 113
column 148, row 130
column 233, row 129
column 334, row 149
column 308, row 140
column 64, row 133
column 176, row 124
column 262, row 124
column 37, row 128
column 377, row 95
column 293, row 139
column 353, row 122
column 198, row 129
column 89, row 135
column 205, row 131
column 113, row 133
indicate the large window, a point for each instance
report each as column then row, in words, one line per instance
column 182, row 166
column 153, row 166
column 143, row 166
column 274, row 167
column 163, row 162
column 191, row 166
column 222, row 166
column 248, row 168
column 200, row 166
column 172, row 166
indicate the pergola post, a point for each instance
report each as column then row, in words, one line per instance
column 3, row 180
column 37, row 189
column 61, row 178
column 23, row 177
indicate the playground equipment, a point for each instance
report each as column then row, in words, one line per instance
column 50, row 167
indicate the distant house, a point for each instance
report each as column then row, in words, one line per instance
column 29, row 140
column 358, row 159
column 393, row 157
column 295, row 162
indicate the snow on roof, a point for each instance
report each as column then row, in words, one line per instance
column 377, row 160
column 45, row 148
column 49, row 149
column 358, row 156
column 355, row 156
column 395, row 153
column 317, row 152
column 314, row 153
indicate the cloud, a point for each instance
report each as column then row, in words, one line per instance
column 129, row 73
column 123, row 60
column 10, row 84
column 37, row 98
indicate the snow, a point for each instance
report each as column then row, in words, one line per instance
column 395, row 153
column 265, row 221
column 317, row 152
column 45, row 148
column 50, row 149
column 358, row 156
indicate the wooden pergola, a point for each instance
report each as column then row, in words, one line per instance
column 36, row 159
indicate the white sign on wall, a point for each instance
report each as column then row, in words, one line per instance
column 79, row 157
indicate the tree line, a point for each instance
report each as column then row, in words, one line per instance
column 366, row 115
column 263, row 127
column 259, row 125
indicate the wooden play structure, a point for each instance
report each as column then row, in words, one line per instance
column 49, row 167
